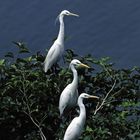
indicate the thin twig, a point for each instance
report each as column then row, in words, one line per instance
column 98, row 107
column 45, row 116
column 37, row 125
column 29, row 112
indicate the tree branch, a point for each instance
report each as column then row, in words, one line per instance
column 99, row 106
column 29, row 112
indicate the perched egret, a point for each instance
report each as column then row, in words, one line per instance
column 76, row 126
column 57, row 48
column 69, row 95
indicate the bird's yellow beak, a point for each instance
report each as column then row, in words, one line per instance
column 84, row 65
column 95, row 97
column 72, row 14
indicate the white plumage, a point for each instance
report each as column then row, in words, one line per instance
column 69, row 95
column 57, row 48
column 76, row 126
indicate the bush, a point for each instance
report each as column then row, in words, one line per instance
column 29, row 98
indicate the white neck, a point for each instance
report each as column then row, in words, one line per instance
column 75, row 76
column 82, row 115
column 60, row 37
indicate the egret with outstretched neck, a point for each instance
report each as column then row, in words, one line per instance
column 69, row 95
column 57, row 49
column 76, row 126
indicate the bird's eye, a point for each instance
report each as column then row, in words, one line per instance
column 67, row 13
column 77, row 63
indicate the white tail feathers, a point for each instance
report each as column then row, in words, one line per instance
column 46, row 66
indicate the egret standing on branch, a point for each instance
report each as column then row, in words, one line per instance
column 69, row 95
column 57, row 48
column 75, row 128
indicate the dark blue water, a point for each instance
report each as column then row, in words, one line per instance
column 104, row 28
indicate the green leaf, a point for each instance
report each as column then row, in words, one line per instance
column 9, row 54
column 24, row 50
column 22, row 47
column 2, row 61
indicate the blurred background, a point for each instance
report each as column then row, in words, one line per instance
column 104, row 28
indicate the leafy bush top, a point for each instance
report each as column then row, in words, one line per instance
column 29, row 98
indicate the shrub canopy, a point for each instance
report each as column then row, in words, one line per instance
column 29, row 98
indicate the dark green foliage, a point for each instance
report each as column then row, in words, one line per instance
column 28, row 97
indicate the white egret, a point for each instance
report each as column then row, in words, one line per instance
column 69, row 95
column 76, row 126
column 57, row 48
